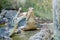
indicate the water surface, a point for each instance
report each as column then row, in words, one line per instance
column 24, row 35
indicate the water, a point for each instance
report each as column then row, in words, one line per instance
column 24, row 35
column 10, row 15
column 4, row 33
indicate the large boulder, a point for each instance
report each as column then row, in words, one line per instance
column 30, row 22
column 46, row 33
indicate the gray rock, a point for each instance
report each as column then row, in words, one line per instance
column 42, row 35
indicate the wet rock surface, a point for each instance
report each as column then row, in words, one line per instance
column 44, row 34
column 4, row 33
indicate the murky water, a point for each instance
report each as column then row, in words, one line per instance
column 24, row 35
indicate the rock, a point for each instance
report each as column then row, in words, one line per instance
column 44, row 34
column 4, row 33
column 30, row 22
column 3, row 20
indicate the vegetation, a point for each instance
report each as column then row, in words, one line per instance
column 42, row 8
